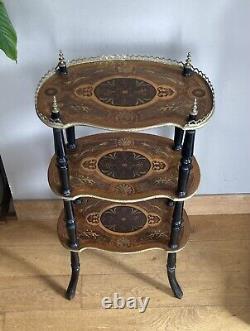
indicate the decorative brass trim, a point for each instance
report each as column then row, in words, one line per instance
column 130, row 252
column 189, row 126
column 127, row 200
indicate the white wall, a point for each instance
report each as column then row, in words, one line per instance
column 216, row 33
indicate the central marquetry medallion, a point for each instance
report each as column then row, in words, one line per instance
column 123, row 219
column 125, row 92
column 124, row 165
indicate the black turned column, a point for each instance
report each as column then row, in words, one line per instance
column 59, row 144
column 61, row 159
column 71, row 138
column 177, row 221
column 178, row 137
column 176, row 224
column 70, row 223
column 186, row 163
column 68, row 205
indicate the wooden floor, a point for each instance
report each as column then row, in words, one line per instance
column 214, row 270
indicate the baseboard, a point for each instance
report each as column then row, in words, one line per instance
column 218, row 204
column 38, row 209
column 198, row 205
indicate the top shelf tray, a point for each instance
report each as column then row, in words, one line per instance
column 125, row 93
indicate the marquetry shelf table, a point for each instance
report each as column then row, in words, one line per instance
column 124, row 191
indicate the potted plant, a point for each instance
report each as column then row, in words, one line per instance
column 8, row 43
column 8, row 38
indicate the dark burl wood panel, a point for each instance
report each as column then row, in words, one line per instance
column 123, row 227
column 124, row 166
column 124, row 94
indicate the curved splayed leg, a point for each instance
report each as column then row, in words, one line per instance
column 171, row 266
column 75, row 265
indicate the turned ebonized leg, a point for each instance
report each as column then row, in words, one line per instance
column 71, row 138
column 75, row 263
column 75, row 266
column 186, row 163
column 173, row 244
column 171, row 266
column 62, row 162
column 178, row 137
column 68, row 210
column 177, row 221
column 70, row 224
column 176, row 225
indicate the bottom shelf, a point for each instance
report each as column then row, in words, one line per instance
column 123, row 227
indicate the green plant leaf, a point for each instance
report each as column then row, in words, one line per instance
column 8, row 38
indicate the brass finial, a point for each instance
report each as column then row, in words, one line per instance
column 187, row 68
column 61, row 58
column 61, row 67
column 188, row 60
column 55, row 112
column 194, row 111
column 55, row 108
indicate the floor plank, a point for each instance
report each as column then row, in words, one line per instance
column 203, row 288
column 194, row 319
column 78, row 320
column 28, row 233
column 36, row 293
column 163, row 319
column 54, row 260
column 213, row 269
column 1, row 322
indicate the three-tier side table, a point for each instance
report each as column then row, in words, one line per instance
column 124, row 191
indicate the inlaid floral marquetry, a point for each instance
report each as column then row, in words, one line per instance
column 125, row 93
column 123, row 219
column 124, row 167
column 123, row 227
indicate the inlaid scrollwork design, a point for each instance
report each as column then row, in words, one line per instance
column 153, row 219
column 93, row 219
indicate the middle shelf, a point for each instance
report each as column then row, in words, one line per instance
column 124, row 167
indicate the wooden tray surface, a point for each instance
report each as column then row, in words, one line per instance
column 124, row 166
column 123, row 227
column 125, row 93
